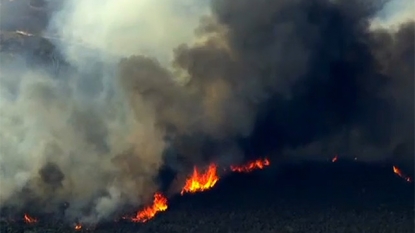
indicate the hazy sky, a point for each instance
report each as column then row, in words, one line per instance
column 395, row 7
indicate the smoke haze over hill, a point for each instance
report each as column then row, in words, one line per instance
column 153, row 84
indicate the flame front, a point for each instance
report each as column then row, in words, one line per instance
column 199, row 182
column 398, row 172
column 249, row 167
column 335, row 158
column 159, row 205
column 29, row 219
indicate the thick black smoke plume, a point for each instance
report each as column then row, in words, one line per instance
column 299, row 78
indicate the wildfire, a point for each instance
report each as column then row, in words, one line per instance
column 198, row 181
column 398, row 172
column 249, row 167
column 335, row 158
column 159, row 205
column 29, row 219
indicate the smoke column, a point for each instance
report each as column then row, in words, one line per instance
column 152, row 84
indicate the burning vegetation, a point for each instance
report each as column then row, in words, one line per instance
column 254, row 165
column 29, row 219
column 78, row 227
column 250, row 81
column 159, row 205
column 398, row 172
column 199, row 181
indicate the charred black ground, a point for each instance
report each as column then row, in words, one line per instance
column 296, row 198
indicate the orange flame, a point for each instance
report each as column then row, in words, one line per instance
column 29, row 219
column 78, row 227
column 249, row 167
column 159, row 204
column 199, row 182
column 334, row 159
column 398, row 172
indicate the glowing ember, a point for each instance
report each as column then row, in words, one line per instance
column 334, row 159
column 159, row 204
column 78, row 227
column 199, row 182
column 254, row 165
column 398, row 172
column 29, row 219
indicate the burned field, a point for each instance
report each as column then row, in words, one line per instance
column 308, row 197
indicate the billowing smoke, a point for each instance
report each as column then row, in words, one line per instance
column 136, row 86
column 69, row 133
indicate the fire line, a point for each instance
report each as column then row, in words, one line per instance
column 201, row 181
column 159, row 204
column 398, row 172
column 29, row 219
column 251, row 166
column 198, row 181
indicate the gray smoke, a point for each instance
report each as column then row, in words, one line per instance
column 127, row 87
column 68, row 130
column 305, row 79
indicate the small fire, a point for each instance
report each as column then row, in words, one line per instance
column 199, row 182
column 334, row 159
column 159, row 205
column 249, row 167
column 78, row 227
column 398, row 172
column 29, row 219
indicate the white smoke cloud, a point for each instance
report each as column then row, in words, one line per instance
column 129, row 27
column 49, row 122
column 394, row 14
column 107, row 147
